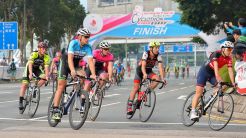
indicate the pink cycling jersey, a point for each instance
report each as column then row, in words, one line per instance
column 82, row 63
column 102, row 60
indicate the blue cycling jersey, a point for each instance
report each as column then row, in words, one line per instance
column 119, row 68
column 78, row 51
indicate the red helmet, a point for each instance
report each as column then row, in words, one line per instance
column 42, row 45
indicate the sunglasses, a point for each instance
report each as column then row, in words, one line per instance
column 106, row 49
column 87, row 36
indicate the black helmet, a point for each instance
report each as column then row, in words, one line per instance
column 242, row 21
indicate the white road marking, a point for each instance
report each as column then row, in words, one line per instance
column 111, row 95
column 181, row 83
column 182, row 97
column 9, row 101
column 5, row 92
column 103, row 122
column 121, row 89
column 110, row 104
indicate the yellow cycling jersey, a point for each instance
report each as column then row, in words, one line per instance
column 38, row 60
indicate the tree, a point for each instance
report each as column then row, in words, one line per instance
column 208, row 15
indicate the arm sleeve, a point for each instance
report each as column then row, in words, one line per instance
column 89, row 52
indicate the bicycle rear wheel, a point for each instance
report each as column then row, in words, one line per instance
column 186, row 110
column 51, row 121
column 95, row 105
column 77, row 112
column 221, row 111
column 34, row 101
column 147, row 106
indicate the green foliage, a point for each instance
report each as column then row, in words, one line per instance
column 198, row 40
column 207, row 15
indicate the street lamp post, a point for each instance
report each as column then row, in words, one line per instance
column 24, row 35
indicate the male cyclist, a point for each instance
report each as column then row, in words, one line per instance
column 103, row 60
column 119, row 70
column 69, row 64
column 144, row 71
column 37, row 63
column 210, row 72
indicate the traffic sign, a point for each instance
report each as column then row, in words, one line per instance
column 182, row 48
column 8, row 35
column 161, row 49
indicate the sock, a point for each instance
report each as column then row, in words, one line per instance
column 21, row 99
column 83, row 102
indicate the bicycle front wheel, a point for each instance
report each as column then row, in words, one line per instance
column 95, row 105
column 79, row 110
column 186, row 111
column 51, row 121
column 34, row 101
column 147, row 106
column 221, row 111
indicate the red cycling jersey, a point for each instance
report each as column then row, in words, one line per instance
column 102, row 60
column 222, row 60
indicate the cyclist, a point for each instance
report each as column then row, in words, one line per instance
column 37, row 63
column 210, row 72
column 119, row 70
column 55, row 63
column 69, row 64
column 144, row 71
column 103, row 60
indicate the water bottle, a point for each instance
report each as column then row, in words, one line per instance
column 65, row 97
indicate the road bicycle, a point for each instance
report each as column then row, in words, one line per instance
column 144, row 100
column 220, row 108
column 95, row 96
column 70, row 104
column 32, row 97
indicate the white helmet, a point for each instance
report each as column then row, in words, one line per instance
column 227, row 44
column 83, row 32
column 104, row 45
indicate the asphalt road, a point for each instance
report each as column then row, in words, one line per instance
column 111, row 122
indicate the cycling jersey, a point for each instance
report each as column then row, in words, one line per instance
column 119, row 68
column 102, row 60
column 82, row 63
column 78, row 51
column 150, row 63
column 56, row 61
column 222, row 60
column 38, row 61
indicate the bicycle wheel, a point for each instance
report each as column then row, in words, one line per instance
column 25, row 101
column 34, row 101
column 147, row 106
column 51, row 121
column 186, row 110
column 95, row 105
column 133, row 110
column 77, row 112
column 221, row 111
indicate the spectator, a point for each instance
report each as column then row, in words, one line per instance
column 236, row 34
column 12, row 71
column 241, row 26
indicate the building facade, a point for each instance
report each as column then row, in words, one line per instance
column 127, row 6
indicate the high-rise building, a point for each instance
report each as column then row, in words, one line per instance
column 127, row 6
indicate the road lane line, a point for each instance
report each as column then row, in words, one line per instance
column 6, row 92
column 104, row 122
column 110, row 104
column 111, row 95
column 121, row 89
column 9, row 101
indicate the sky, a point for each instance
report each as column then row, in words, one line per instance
column 84, row 3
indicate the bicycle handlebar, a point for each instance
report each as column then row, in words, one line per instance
column 162, row 83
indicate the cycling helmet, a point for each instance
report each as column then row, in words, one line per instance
column 154, row 44
column 42, row 45
column 58, row 53
column 227, row 44
column 83, row 32
column 104, row 45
